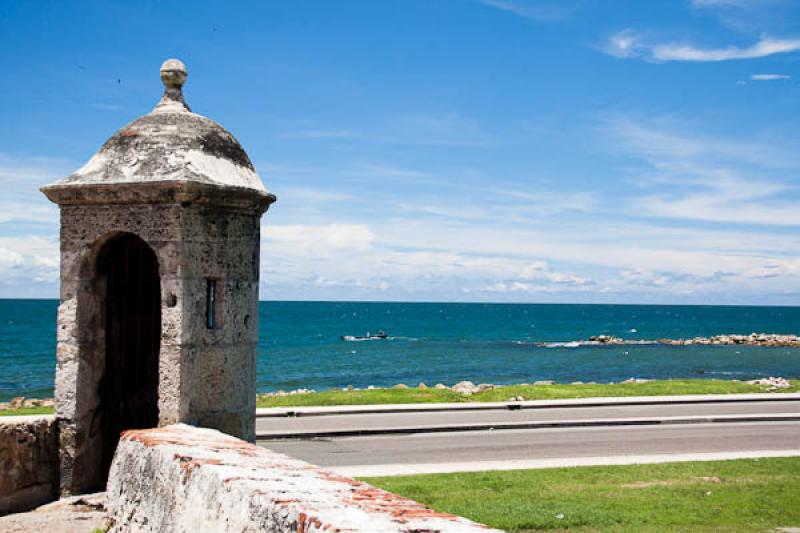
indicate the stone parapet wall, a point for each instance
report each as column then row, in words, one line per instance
column 184, row 479
column 28, row 462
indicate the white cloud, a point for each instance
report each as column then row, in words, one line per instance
column 770, row 77
column 39, row 211
column 631, row 44
column 302, row 239
column 307, row 195
column 534, row 10
column 665, row 141
column 624, row 44
column 540, row 270
column 374, row 170
column 513, row 286
column 766, row 46
column 10, row 258
column 482, row 243
column 20, row 180
column 705, row 178
column 363, row 258
column 29, row 259
column 723, row 203
column 27, row 175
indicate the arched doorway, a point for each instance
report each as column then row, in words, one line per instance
column 128, row 390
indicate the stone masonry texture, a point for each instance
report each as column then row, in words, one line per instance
column 180, row 478
column 28, row 462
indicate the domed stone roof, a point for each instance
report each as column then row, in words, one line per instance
column 170, row 144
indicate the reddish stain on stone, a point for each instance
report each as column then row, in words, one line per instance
column 350, row 492
column 400, row 509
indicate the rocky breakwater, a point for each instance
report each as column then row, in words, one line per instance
column 753, row 339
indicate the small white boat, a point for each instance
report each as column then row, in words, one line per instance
column 368, row 337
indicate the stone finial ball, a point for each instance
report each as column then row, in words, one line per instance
column 173, row 73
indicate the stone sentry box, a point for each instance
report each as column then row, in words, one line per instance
column 158, row 321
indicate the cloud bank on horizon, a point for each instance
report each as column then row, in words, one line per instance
column 482, row 150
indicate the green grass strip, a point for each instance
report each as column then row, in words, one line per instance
column 527, row 392
column 27, row 411
column 730, row 496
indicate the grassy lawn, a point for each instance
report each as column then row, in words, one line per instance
column 27, row 411
column 528, row 392
column 499, row 394
column 730, row 496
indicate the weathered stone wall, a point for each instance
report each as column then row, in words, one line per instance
column 184, row 479
column 80, row 359
column 28, row 462
column 206, row 376
column 220, row 243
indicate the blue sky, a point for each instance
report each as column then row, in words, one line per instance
column 459, row 150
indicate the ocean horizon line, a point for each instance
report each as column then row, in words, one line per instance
column 479, row 302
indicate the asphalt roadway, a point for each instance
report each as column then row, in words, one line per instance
column 386, row 443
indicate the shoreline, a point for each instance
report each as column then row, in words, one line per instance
column 470, row 391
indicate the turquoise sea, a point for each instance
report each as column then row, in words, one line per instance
column 300, row 344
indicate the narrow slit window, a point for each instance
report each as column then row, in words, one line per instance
column 211, row 303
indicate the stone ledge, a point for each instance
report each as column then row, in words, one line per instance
column 28, row 462
column 185, row 479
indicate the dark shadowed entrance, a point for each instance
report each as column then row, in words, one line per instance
column 129, row 388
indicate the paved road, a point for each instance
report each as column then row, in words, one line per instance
column 441, row 452
column 276, row 426
column 422, row 450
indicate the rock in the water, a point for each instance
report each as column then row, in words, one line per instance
column 605, row 339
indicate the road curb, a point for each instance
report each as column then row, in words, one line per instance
column 611, row 422
column 403, row 469
column 270, row 412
